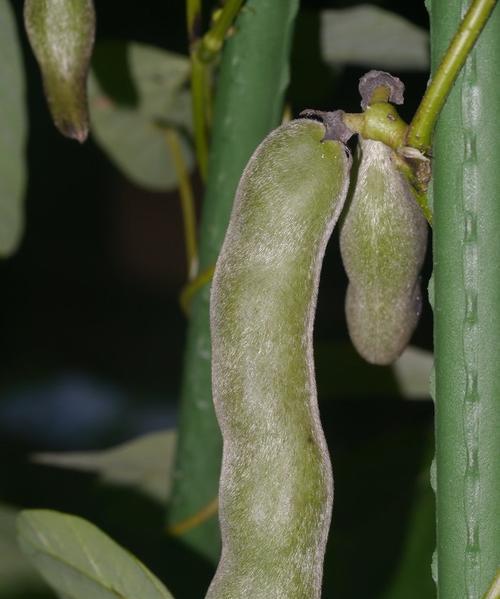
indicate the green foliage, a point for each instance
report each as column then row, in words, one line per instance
column 80, row 561
column 135, row 92
column 12, row 134
column 144, row 463
column 16, row 573
column 370, row 36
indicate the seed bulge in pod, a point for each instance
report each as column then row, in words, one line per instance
column 61, row 34
column 383, row 241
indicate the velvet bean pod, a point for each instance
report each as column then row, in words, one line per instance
column 383, row 241
column 276, row 485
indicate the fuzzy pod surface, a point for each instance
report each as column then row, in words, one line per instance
column 276, row 487
column 61, row 34
column 383, row 240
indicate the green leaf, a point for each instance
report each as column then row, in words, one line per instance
column 12, row 134
column 412, row 371
column 16, row 573
column 370, row 36
column 135, row 91
column 79, row 561
column 144, row 463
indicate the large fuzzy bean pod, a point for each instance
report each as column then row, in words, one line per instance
column 276, row 485
column 61, row 34
column 383, row 241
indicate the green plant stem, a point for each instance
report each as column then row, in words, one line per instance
column 193, row 15
column 249, row 103
column 203, row 52
column 199, row 102
column 212, row 42
column 187, row 202
column 422, row 125
column 466, row 192
column 187, row 294
column 198, row 86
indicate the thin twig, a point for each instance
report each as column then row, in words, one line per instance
column 187, row 202
column 422, row 125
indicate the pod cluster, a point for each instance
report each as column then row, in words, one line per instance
column 276, row 487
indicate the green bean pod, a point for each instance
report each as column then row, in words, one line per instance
column 276, row 487
column 61, row 34
column 383, row 239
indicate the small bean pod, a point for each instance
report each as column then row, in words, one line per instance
column 383, row 240
column 276, row 487
column 61, row 34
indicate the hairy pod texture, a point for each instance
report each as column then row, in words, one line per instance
column 61, row 34
column 276, row 486
column 383, row 240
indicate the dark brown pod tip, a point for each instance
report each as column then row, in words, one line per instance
column 373, row 79
column 336, row 129
column 61, row 34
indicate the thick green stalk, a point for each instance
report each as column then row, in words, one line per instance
column 466, row 192
column 252, row 81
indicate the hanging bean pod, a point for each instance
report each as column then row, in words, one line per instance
column 61, row 34
column 276, row 485
column 383, row 240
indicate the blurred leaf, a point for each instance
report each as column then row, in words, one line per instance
column 134, row 91
column 370, row 36
column 413, row 371
column 79, row 561
column 12, row 133
column 145, row 463
column 16, row 572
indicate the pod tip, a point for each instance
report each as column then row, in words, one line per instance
column 334, row 124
